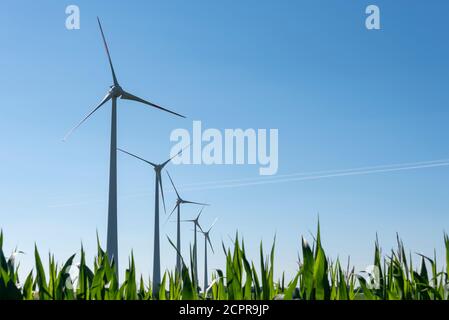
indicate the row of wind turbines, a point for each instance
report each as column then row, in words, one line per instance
column 115, row 91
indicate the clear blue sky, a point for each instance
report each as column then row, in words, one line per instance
column 340, row 95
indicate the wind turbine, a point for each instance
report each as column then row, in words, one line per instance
column 115, row 91
column 206, row 240
column 195, row 246
column 158, row 186
column 179, row 202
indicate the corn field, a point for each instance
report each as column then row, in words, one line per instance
column 317, row 278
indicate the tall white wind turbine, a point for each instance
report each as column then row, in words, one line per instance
column 179, row 202
column 158, row 187
column 115, row 91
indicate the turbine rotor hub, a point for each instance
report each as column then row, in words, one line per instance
column 116, row 91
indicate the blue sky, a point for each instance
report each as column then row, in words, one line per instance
column 341, row 96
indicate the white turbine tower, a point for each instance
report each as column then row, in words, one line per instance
column 196, row 226
column 158, row 187
column 179, row 202
column 206, row 240
column 113, row 93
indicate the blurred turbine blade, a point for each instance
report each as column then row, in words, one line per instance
column 129, row 96
column 171, row 213
column 105, row 99
column 158, row 172
column 215, row 221
column 210, row 243
column 177, row 194
column 199, row 214
column 133, row 155
column 178, row 154
column 198, row 203
column 107, row 51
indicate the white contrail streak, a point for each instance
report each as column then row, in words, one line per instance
column 326, row 172
column 303, row 176
column 317, row 177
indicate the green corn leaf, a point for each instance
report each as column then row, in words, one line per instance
column 247, row 295
column 63, row 280
column 8, row 289
column 342, row 285
column 162, row 293
column 257, row 291
column 446, row 244
column 288, row 295
column 40, row 277
column 131, row 286
column 27, row 289
column 307, row 269
column 188, row 290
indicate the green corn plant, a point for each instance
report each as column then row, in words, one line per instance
column 162, row 289
column 218, row 288
column 41, row 282
column 130, row 285
column 267, row 270
column 183, row 285
column 289, row 292
column 317, row 278
column 8, row 277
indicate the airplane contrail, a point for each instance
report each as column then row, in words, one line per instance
column 388, row 166
column 295, row 177
column 285, row 178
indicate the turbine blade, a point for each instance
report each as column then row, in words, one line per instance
column 177, row 194
column 162, row 190
column 179, row 153
column 176, row 206
column 129, row 96
column 198, row 203
column 199, row 226
column 133, row 155
column 107, row 51
column 210, row 243
column 215, row 221
column 171, row 213
column 199, row 214
column 105, row 99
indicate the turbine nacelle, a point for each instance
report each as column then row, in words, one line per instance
column 115, row 91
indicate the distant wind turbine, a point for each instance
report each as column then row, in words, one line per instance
column 113, row 93
column 179, row 202
column 196, row 226
column 158, row 186
column 206, row 240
